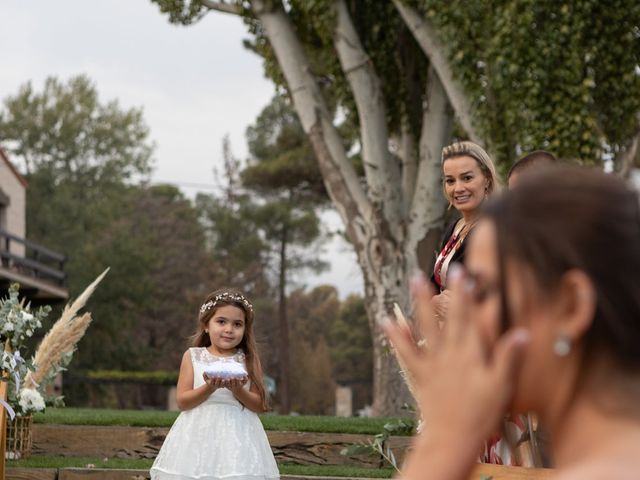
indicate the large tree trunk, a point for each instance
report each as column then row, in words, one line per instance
column 625, row 160
column 385, row 228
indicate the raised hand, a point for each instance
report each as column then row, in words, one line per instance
column 462, row 384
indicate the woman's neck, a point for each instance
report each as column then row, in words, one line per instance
column 590, row 434
column 598, row 424
column 469, row 217
column 221, row 353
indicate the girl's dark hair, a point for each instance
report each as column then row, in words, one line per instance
column 230, row 296
column 565, row 218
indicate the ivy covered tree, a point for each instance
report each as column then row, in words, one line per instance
column 382, row 85
column 560, row 76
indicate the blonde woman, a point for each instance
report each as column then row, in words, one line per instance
column 543, row 317
column 469, row 178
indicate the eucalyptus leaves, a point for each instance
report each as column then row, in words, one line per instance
column 18, row 323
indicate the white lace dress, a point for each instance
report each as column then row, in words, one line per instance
column 218, row 439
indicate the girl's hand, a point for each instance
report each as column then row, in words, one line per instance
column 214, row 382
column 463, row 385
column 207, row 379
column 236, row 384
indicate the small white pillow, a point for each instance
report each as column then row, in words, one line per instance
column 226, row 370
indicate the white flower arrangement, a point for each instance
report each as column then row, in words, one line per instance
column 30, row 400
column 17, row 324
column 29, row 378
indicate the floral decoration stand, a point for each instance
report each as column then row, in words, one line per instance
column 19, row 437
column 4, row 387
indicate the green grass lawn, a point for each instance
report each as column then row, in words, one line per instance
column 145, row 464
column 336, row 471
column 152, row 418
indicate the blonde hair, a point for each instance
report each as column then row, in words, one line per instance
column 475, row 151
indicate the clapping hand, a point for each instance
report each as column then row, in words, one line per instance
column 462, row 384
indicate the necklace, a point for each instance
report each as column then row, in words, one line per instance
column 452, row 245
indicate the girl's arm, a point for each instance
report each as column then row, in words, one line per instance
column 249, row 398
column 188, row 397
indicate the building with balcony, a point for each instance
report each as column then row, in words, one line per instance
column 38, row 270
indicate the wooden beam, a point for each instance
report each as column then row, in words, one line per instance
column 32, row 473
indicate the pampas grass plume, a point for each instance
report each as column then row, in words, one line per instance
column 63, row 336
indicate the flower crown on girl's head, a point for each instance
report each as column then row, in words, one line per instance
column 226, row 297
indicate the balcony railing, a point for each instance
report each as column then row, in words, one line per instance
column 38, row 262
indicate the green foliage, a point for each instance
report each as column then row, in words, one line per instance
column 233, row 229
column 331, row 344
column 397, row 59
column 282, row 170
column 42, row 461
column 18, row 323
column 84, row 158
column 323, row 471
column 379, row 446
column 283, row 173
column 181, row 11
column 282, row 154
column 160, row 377
column 352, row 349
column 312, row 380
column 67, row 131
column 136, row 323
column 151, row 418
column 334, row 471
column 561, row 76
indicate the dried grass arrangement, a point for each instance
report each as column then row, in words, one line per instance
column 57, row 347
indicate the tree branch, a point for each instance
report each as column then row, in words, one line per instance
column 340, row 178
column 380, row 167
column 428, row 201
column 425, row 35
column 409, row 156
column 626, row 160
column 222, row 7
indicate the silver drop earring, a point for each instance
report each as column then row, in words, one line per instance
column 562, row 346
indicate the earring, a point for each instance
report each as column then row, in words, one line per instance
column 206, row 331
column 562, row 345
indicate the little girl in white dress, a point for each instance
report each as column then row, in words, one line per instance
column 218, row 434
